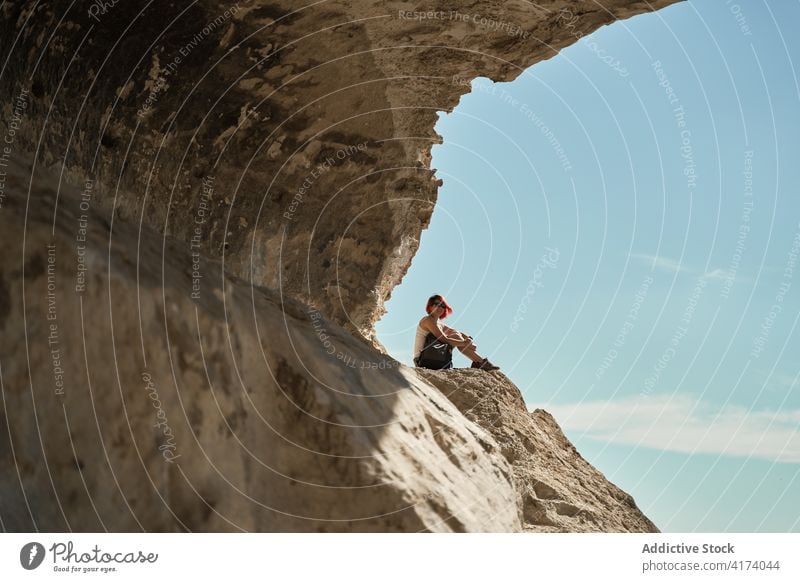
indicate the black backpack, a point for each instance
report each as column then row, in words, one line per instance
column 435, row 354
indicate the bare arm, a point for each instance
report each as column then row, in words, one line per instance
column 451, row 332
column 437, row 330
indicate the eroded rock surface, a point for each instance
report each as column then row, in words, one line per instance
column 557, row 490
column 300, row 136
column 130, row 405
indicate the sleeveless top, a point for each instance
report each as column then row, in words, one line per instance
column 419, row 341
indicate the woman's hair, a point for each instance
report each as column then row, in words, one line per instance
column 438, row 298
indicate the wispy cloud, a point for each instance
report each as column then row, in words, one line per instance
column 717, row 273
column 662, row 263
column 687, row 425
column 673, row 266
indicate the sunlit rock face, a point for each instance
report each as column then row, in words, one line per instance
column 203, row 207
column 557, row 490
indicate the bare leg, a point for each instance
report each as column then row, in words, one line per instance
column 468, row 349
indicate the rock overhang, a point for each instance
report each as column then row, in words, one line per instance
column 293, row 143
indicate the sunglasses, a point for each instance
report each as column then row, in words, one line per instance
column 437, row 304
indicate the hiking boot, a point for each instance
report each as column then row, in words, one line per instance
column 485, row 364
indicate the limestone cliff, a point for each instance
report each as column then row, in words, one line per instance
column 204, row 206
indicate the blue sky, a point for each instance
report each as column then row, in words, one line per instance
column 619, row 228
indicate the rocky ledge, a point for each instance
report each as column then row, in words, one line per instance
column 556, row 489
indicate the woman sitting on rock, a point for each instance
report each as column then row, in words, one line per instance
column 429, row 351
